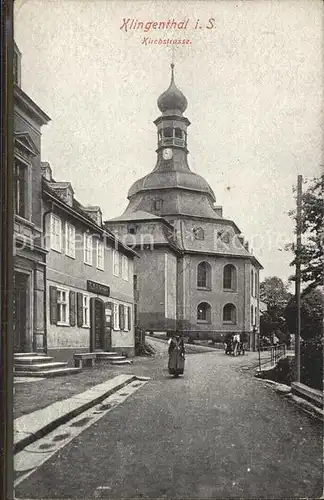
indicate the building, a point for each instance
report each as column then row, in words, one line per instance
column 195, row 273
column 89, row 278
column 29, row 252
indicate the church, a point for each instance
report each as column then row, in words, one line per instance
column 195, row 272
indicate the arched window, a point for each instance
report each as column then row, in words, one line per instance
column 252, row 283
column 229, row 277
column 178, row 133
column 229, row 314
column 204, row 275
column 204, row 312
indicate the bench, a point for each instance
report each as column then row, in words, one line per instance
column 81, row 357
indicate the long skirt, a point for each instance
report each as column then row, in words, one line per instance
column 176, row 363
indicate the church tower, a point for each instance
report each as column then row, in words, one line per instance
column 195, row 272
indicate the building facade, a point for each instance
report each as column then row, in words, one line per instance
column 29, row 251
column 195, row 273
column 89, row 278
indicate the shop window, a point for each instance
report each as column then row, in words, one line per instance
column 229, row 314
column 203, row 313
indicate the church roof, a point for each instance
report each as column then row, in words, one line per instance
column 138, row 215
column 169, row 180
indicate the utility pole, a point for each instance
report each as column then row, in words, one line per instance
column 298, row 268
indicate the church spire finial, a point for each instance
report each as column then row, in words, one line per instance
column 172, row 72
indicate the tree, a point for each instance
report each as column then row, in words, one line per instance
column 311, row 314
column 274, row 293
column 310, row 256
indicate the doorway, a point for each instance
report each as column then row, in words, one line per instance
column 97, row 324
column 20, row 315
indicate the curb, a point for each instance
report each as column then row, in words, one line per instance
column 42, row 431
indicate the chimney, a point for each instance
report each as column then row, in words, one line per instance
column 241, row 239
column 246, row 246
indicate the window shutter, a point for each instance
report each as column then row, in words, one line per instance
column 53, row 304
column 129, row 318
column 72, row 308
column 110, row 306
column 79, row 309
column 121, row 317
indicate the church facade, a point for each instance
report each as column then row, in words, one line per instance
column 195, row 272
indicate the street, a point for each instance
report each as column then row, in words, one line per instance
column 216, row 432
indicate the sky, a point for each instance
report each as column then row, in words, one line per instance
column 252, row 76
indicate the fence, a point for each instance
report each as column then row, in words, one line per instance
column 270, row 355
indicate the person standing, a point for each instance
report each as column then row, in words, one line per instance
column 176, row 353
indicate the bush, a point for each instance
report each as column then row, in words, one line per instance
column 311, row 363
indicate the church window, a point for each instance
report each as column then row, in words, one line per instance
column 229, row 277
column 204, row 275
column 199, row 233
column 204, row 312
column 229, row 314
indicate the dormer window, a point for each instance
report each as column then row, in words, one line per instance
column 132, row 230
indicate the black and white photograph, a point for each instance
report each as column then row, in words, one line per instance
column 167, row 281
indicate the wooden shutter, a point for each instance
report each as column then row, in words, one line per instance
column 79, row 309
column 72, row 308
column 53, row 304
column 121, row 317
column 129, row 318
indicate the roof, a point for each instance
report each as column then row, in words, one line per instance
column 31, row 106
column 139, row 215
column 77, row 209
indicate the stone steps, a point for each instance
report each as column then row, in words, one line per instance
column 39, row 366
column 48, row 373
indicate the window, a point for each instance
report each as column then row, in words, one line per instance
column 157, row 204
column 204, row 275
column 229, row 314
column 252, row 317
column 56, row 233
column 62, row 307
column 203, row 313
column 252, row 283
column 229, row 277
column 132, row 230
column 124, row 268
column 20, row 188
column 135, row 281
column 126, row 319
column 88, row 249
column 178, row 133
column 199, row 233
column 255, row 284
column 16, row 66
column 70, row 240
column 115, row 263
column 168, row 132
column 100, row 255
column 116, row 317
column 85, row 310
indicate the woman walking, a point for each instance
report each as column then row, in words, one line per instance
column 176, row 355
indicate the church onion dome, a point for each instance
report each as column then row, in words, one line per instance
column 172, row 99
column 172, row 180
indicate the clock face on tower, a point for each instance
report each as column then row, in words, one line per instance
column 167, row 154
